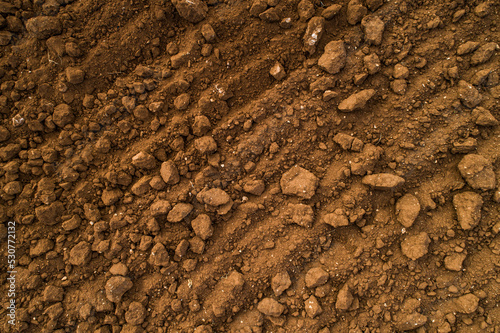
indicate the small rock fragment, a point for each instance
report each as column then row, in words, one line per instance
column 270, row 307
column 372, row 63
column 482, row 9
column 312, row 307
column 169, row 173
column 63, row 115
column 270, row 15
column 483, row 117
column 213, row 197
column 53, row 293
column 373, row 27
column 75, row 75
column 315, row 277
column 179, row 212
column 80, row 254
column 192, row 10
column 277, row 71
column 334, row 57
column 400, row 72
column 181, row 102
column 355, row 12
column 344, row 299
column 160, row 207
column 313, row 34
column 407, row 210
column 467, row 303
column 136, row 314
column 255, row 187
column 144, row 160
column 410, row 321
column 383, row 181
column 206, row 145
column 202, row 226
column 483, row 53
column 356, row 101
column 468, row 207
column 280, row 282
column 300, row 214
column 42, row 27
column 415, row 247
column 300, row 182
column 336, row 219
column 305, row 9
column 116, row 287
column 478, row 172
column 453, row 262
column 208, row 33
column 468, row 94
column 467, row 47
column 330, row 11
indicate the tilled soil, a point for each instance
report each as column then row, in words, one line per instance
column 237, row 166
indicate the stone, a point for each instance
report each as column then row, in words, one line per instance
column 468, row 207
column 334, row 57
column 336, row 219
column 305, row 9
column 278, row 72
column 313, row 34
column 484, row 53
column 202, row 226
column 43, row 246
column 416, row 246
column 373, row 27
column 299, row 182
column 111, row 196
column 159, row 208
column 468, row 94
column 344, row 299
column 136, row 313
column 80, row 254
column 42, row 27
column 179, row 212
column 169, row 173
column 201, row 125
column 453, row 262
column 116, row 287
column 192, row 10
column 159, row 255
column 144, row 160
column 119, row 269
column 270, row 15
column 75, row 75
column 478, row 172
column 355, row 12
column 331, row 11
column 213, row 197
column 270, row 307
column 312, row 307
column 63, row 115
column 258, row 7
column 53, row 293
column 467, row 303
column 372, row 63
column 280, row 282
column 383, row 181
column 483, row 117
column 300, row 214
column 255, row 187
column 356, row 101
column 208, row 33
column 50, row 214
column 206, row 145
column 407, row 210
column 400, row 72
column 316, row 277
column 182, row 101
column 467, row 47
column 410, row 321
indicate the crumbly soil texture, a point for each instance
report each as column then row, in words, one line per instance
column 250, row 166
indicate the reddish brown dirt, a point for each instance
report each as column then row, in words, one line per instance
column 235, row 166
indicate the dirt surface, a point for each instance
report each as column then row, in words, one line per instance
column 237, row 166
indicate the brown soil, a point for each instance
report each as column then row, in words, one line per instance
column 236, row 166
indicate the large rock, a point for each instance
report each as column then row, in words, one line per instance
column 415, row 247
column 280, row 282
column 468, row 207
column 169, row 173
column 356, row 101
column 344, row 299
column 313, row 34
column 373, row 27
column 192, row 10
column 407, row 210
column 467, row 303
column 334, row 57
column 270, row 307
column 300, row 182
column 316, row 277
column 42, row 27
column 383, row 181
column 116, row 287
column 478, row 172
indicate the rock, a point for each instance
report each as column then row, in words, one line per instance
column 356, row 101
column 355, row 12
column 63, row 115
column 334, row 57
column 280, row 282
column 482, row 9
column 206, row 145
column 468, row 94
column 110, row 197
column 467, row 303
column 305, row 9
column 53, row 293
column 270, row 15
column 286, row 23
column 468, row 207
column 255, row 187
column 13, row 188
column 119, row 269
column 4, row 134
column 277, row 71
column 201, row 125
column 483, row 117
column 50, row 214
column 169, row 173
column 343, row 140
column 478, row 172
column 400, row 72
column 407, row 210
column 258, row 6
column 344, row 299
column 203, row 329
column 336, row 219
column 330, row 11
column 213, row 197
column 192, row 10
column 116, row 286
column 313, row 34
column 202, row 226
column 467, row 47
column 43, row 246
column 453, row 262
column 270, row 307
column 372, row 63
column 75, row 75
column 80, row 254
column 135, row 314
column 129, row 103
column 179, row 212
column 300, row 182
column 383, row 181
column 159, row 256
column 312, row 307
column 481, row 77
column 373, row 27
column 144, row 160
column 316, row 277
column 415, row 247
column 373, row 5
column 181, row 102
column 208, row 33
column 141, row 187
column 300, row 214
column 5, row 38
column 483, row 53
column 42, row 27
column 410, row 321
column 159, row 208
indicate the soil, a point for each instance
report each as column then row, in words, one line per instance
column 238, row 166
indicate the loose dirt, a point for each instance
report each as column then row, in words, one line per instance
column 251, row 166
